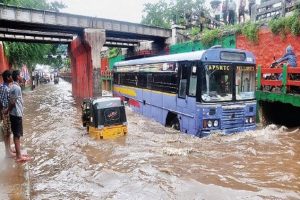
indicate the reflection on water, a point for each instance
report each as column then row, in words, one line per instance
column 151, row 162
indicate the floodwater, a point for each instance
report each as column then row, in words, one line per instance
column 151, row 162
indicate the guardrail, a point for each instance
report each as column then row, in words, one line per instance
column 273, row 8
column 286, row 79
column 106, row 74
column 66, row 76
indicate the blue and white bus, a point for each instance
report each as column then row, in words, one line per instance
column 199, row 93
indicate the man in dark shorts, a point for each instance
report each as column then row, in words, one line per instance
column 242, row 6
column 16, row 113
column 4, row 99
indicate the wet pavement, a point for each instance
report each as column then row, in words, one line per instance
column 151, row 162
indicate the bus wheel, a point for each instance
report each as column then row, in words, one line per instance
column 175, row 124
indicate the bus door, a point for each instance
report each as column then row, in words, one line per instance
column 186, row 100
column 183, row 70
column 187, row 87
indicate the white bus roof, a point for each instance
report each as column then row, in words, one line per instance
column 196, row 55
column 212, row 54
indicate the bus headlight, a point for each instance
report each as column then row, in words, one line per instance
column 209, row 124
column 216, row 123
column 247, row 120
column 251, row 120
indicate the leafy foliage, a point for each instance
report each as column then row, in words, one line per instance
column 164, row 13
column 250, row 30
column 37, row 4
column 157, row 14
column 113, row 52
column 194, row 31
column 28, row 53
column 208, row 37
column 296, row 23
column 285, row 25
column 19, row 53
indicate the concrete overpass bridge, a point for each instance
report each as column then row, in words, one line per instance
column 85, row 35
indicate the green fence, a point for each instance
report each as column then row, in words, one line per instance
column 226, row 42
column 113, row 60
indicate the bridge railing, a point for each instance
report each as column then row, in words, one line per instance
column 273, row 8
column 106, row 74
column 286, row 79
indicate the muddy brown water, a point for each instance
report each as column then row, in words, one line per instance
column 151, row 162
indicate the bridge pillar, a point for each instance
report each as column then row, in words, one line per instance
column 4, row 64
column 85, row 62
column 95, row 39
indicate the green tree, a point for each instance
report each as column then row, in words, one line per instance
column 37, row 4
column 163, row 13
column 157, row 14
column 19, row 53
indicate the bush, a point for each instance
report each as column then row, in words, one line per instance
column 209, row 36
column 250, row 30
column 296, row 28
column 284, row 25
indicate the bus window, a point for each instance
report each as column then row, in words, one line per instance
column 142, row 80
column 184, row 74
column 217, row 83
column 149, row 81
column 245, row 82
column 193, row 82
column 193, row 85
column 182, row 88
column 116, row 78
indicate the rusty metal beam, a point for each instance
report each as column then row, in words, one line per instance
column 36, row 33
column 33, row 39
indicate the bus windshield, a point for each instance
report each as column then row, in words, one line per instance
column 217, row 83
column 245, row 82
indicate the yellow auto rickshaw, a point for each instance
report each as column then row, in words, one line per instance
column 106, row 117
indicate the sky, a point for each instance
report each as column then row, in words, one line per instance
column 122, row 10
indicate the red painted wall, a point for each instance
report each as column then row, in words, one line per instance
column 104, row 64
column 269, row 46
column 81, row 69
column 4, row 64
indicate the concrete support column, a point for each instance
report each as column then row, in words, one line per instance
column 85, row 60
column 4, row 64
column 95, row 39
column 81, row 77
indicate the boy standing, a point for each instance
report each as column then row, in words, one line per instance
column 16, row 113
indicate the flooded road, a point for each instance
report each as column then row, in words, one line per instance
column 151, row 162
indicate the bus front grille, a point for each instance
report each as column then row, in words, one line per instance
column 232, row 118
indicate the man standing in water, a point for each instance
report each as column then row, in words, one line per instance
column 4, row 99
column 15, row 110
